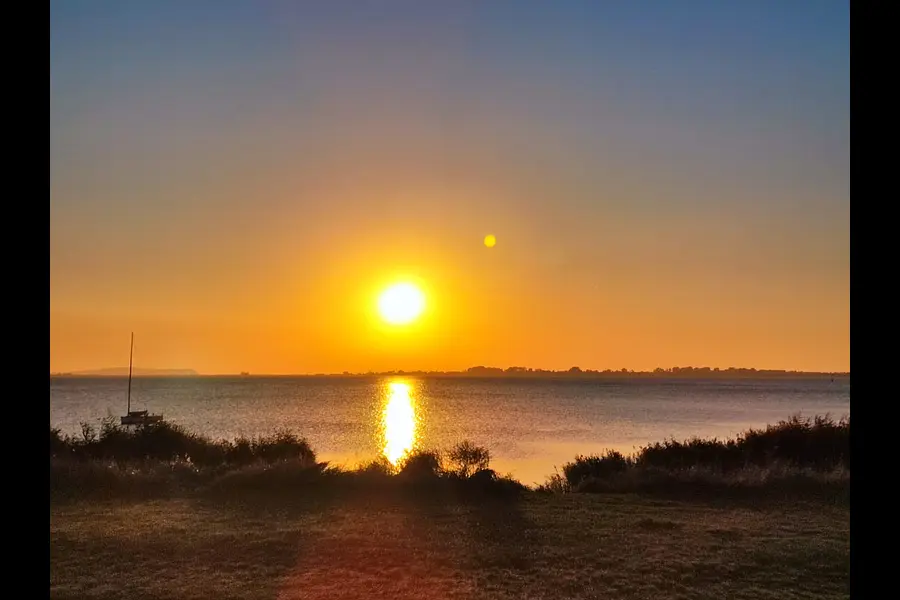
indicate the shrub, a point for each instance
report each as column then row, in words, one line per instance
column 378, row 467
column 240, row 451
column 819, row 443
column 483, row 476
column 58, row 445
column 671, row 454
column 168, row 441
column 467, row 458
column 798, row 454
column 555, row 484
column 486, row 483
column 281, row 446
column 598, row 467
column 88, row 433
column 423, row 464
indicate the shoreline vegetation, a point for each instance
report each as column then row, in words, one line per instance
column 165, row 513
column 805, row 456
column 481, row 372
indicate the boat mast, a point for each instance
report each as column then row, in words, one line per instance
column 130, row 362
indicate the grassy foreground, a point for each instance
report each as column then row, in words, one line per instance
column 542, row 546
column 163, row 513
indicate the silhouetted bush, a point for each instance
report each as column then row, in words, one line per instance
column 467, row 458
column 58, row 444
column 486, row 483
column 240, row 451
column 506, row 485
column 555, row 484
column 796, row 455
column 92, row 478
column 585, row 467
column 377, row 467
column 169, row 442
column 281, row 446
column 671, row 454
column 818, row 443
column 165, row 441
column 483, row 476
column 793, row 455
column 424, row 464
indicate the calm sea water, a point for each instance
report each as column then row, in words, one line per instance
column 530, row 426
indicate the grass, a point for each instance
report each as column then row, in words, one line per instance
column 404, row 546
column 167, row 514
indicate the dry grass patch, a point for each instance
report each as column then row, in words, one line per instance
column 544, row 546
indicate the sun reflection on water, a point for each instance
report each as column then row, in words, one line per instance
column 398, row 422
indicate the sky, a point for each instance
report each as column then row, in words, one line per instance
column 235, row 182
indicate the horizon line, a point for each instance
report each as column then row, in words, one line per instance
column 478, row 370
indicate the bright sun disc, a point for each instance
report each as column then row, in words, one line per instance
column 401, row 303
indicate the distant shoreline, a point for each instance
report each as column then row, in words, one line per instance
column 503, row 375
column 123, row 372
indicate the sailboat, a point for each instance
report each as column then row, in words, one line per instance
column 136, row 417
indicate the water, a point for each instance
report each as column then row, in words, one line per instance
column 530, row 426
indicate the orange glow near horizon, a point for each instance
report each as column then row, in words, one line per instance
column 495, row 309
column 483, row 308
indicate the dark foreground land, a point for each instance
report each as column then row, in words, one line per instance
column 400, row 546
column 162, row 513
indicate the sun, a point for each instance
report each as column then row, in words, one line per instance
column 401, row 303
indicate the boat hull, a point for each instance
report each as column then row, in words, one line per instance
column 141, row 418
